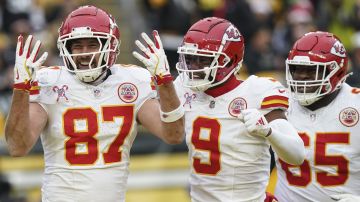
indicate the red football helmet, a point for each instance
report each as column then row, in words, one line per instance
column 325, row 55
column 90, row 22
column 212, row 50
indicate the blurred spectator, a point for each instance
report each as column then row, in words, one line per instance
column 14, row 10
column 207, row 8
column 168, row 15
column 355, row 16
column 263, row 10
column 240, row 14
column 260, row 58
column 5, row 189
column 335, row 16
column 55, row 11
column 258, row 54
column 354, row 80
column 171, row 18
column 300, row 18
column 298, row 21
column 5, row 192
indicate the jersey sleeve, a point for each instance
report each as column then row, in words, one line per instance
column 145, row 86
column 45, row 79
column 276, row 97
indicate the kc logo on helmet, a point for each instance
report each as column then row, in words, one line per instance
column 232, row 34
column 338, row 49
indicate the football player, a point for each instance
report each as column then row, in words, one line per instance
column 325, row 112
column 229, row 123
column 87, row 111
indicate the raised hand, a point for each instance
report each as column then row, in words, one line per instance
column 154, row 58
column 25, row 64
column 255, row 122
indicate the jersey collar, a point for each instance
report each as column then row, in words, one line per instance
column 225, row 87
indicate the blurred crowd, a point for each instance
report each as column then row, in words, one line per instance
column 269, row 28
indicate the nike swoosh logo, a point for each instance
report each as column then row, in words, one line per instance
column 166, row 68
column 281, row 91
column 17, row 74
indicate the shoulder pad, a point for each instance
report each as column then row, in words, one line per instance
column 48, row 76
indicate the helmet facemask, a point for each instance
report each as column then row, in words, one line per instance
column 94, row 71
column 198, row 68
column 317, row 82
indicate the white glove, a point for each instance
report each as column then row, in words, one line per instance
column 345, row 198
column 154, row 57
column 255, row 122
column 25, row 64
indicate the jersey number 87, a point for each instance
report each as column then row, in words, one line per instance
column 87, row 136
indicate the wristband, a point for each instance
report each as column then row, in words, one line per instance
column 160, row 80
column 172, row 116
column 22, row 86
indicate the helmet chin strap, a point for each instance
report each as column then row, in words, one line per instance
column 210, row 85
column 100, row 79
column 200, row 88
column 201, row 85
column 308, row 98
column 95, row 81
column 304, row 101
column 307, row 102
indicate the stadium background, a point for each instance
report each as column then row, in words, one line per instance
column 159, row 172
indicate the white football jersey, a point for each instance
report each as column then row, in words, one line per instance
column 227, row 163
column 89, row 132
column 331, row 137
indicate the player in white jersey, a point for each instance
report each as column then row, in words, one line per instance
column 87, row 111
column 230, row 123
column 325, row 112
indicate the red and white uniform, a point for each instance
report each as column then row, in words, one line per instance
column 89, row 133
column 331, row 136
column 227, row 163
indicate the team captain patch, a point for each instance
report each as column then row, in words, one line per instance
column 349, row 117
column 128, row 92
